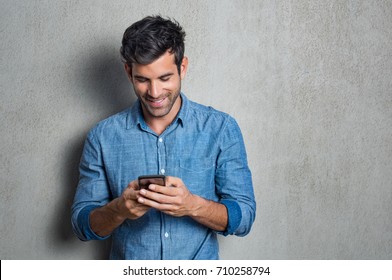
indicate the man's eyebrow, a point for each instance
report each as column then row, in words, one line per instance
column 166, row 75
column 136, row 76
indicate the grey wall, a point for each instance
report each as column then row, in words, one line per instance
column 308, row 81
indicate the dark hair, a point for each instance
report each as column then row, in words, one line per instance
column 148, row 39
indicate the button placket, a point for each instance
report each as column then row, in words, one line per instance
column 161, row 156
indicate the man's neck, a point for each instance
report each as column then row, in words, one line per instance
column 158, row 126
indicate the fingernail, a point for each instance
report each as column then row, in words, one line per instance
column 143, row 191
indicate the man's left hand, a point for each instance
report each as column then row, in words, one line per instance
column 173, row 199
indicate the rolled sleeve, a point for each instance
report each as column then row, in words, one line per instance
column 234, row 216
column 234, row 181
column 92, row 191
column 83, row 220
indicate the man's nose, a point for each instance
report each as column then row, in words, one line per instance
column 154, row 89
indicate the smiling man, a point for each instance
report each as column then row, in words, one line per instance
column 200, row 151
column 157, row 86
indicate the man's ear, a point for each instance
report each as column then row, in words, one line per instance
column 128, row 70
column 184, row 67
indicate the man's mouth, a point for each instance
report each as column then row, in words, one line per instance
column 156, row 102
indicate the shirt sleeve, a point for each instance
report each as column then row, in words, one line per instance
column 92, row 191
column 234, row 181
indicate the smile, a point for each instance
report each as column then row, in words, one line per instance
column 156, row 102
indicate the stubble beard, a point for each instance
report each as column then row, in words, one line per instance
column 160, row 112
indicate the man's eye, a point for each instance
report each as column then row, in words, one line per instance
column 141, row 80
column 165, row 79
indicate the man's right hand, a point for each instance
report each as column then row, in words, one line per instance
column 127, row 204
column 107, row 218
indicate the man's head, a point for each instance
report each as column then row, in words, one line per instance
column 153, row 53
column 148, row 39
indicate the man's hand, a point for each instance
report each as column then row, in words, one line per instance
column 176, row 200
column 173, row 199
column 127, row 205
column 105, row 219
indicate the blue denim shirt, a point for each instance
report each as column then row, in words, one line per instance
column 203, row 147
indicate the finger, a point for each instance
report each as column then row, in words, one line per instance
column 162, row 189
column 156, row 196
column 154, row 204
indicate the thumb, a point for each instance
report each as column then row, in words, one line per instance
column 134, row 185
column 173, row 181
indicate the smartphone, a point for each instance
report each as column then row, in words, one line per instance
column 146, row 180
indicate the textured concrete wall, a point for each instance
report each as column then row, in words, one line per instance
column 308, row 81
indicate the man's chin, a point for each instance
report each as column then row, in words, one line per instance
column 158, row 112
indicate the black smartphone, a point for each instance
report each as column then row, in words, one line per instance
column 146, row 180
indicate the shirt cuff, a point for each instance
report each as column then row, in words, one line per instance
column 84, row 222
column 234, row 215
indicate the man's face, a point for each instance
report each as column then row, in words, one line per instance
column 158, row 85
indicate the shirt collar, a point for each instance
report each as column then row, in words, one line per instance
column 135, row 115
column 181, row 116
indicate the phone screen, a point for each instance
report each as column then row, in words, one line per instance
column 146, row 180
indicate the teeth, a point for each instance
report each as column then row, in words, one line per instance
column 157, row 101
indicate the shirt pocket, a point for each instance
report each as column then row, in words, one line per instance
column 197, row 165
column 198, row 174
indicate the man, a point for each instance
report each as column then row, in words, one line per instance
column 208, row 188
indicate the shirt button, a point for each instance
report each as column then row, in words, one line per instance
column 166, row 234
column 162, row 171
column 160, row 140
